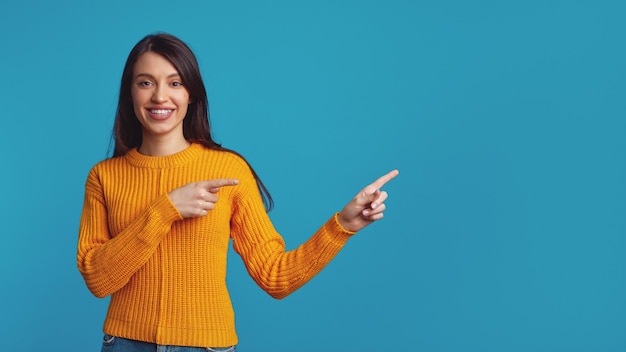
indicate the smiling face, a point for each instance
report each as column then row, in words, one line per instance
column 160, row 100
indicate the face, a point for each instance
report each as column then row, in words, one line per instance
column 160, row 99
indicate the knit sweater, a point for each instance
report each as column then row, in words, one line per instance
column 166, row 275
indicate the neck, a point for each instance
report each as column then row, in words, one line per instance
column 162, row 146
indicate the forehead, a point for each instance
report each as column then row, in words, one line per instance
column 153, row 64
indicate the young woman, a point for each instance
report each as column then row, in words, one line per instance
column 158, row 215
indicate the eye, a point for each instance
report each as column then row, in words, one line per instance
column 144, row 83
column 177, row 84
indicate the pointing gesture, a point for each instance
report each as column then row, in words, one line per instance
column 197, row 198
column 367, row 206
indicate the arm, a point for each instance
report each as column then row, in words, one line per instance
column 106, row 263
column 280, row 272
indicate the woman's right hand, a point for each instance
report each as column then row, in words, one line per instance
column 197, row 198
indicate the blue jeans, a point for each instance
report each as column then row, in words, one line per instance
column 118, row 344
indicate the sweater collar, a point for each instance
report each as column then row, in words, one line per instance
column 157, row 162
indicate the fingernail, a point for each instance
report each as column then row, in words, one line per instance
column 235, row 182
column 374, row 205
column 366, row 212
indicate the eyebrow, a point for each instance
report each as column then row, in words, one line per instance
column 151, row 76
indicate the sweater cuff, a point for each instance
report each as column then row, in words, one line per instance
column 170, row 213
column 161, row 215
column 338, row 230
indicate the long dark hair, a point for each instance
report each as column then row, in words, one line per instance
column 196, row 125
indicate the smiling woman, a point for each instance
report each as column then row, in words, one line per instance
column 154, row 235
column 160, row 102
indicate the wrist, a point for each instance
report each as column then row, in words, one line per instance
column 343, row 223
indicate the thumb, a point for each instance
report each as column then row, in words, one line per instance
column 373, row 197
column 370, row 195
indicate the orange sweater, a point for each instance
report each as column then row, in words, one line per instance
column 167, row 275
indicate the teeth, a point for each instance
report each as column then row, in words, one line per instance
column 160, row 111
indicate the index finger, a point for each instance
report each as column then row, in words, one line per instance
column 384, row 179
column 220, row 182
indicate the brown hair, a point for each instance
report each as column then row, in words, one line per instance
column 196, row 125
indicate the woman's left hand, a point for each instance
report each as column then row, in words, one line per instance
column 367, row 206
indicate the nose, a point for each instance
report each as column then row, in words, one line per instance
column 159, row 94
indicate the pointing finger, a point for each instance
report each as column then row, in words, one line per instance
column 214, row 185
column 384, row 179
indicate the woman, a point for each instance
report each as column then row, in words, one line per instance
column 159, row 214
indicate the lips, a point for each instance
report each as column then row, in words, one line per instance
column 160, row 114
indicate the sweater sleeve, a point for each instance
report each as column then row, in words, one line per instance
column 275, row 270
column 107, row 263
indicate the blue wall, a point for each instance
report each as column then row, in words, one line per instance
column 504, row 232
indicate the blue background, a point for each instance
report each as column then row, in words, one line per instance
column 505, row 230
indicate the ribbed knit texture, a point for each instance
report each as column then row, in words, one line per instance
column 167, row 275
